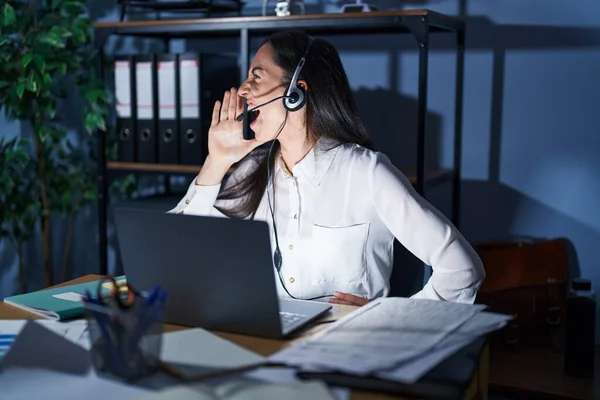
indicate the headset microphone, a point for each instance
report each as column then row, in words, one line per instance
column 242, row 115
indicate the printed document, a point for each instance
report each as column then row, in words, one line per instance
column 380, row 335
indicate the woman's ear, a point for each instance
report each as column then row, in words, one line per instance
column 302, row 83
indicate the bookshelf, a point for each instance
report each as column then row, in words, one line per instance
column 418, row 23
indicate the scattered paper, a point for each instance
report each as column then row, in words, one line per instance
column 75, row 331
column 201, row 348
column 34, row 383
column 471, row 330
column 380, row 335
column 244, row 390
column 288, row 375
column 38, row 347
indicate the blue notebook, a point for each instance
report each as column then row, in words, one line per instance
column 59, row 303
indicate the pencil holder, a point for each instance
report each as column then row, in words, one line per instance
column 125, row 343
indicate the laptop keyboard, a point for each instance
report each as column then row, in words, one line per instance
column 288, row 318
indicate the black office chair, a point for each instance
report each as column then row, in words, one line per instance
column 407, row 274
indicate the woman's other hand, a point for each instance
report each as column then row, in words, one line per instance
column 348, row 299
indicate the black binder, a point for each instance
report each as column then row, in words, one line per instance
column 125, row 111
column 168, row 132
column 202, row 79
column 146, row 106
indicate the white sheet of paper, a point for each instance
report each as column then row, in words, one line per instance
column 69, row 296
column 76, row 331
column 477, row 326
column 380, row 335
column 25, row 383
column 199, row 347
column 244, row 390
column 287, row 375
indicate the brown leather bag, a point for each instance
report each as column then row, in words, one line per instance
column 529, row 280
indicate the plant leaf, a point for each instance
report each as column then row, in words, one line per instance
column 27, row 58
column 8, row 15
column 20, row 89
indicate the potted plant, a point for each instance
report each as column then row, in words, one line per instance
column 45, row 50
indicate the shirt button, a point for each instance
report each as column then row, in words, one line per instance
column 187, row 201
column 295, row 216
column 291, row 247
column 292, row 280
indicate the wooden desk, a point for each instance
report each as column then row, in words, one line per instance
column 477, row 388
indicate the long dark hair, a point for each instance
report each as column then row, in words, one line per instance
column 330, row 112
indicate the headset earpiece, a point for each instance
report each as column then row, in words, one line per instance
column 297, row 99
column 298, row 95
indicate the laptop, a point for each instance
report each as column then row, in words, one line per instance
column 218, row 272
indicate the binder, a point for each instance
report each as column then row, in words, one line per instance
column 125, row 112
column 168, row 132
column 203, row 79
column 146, row 105
column 188, row 107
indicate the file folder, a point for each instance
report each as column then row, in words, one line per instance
column 168, row 131
column 146, row 94
column 125, row 112
column 190, row 135
column 203, row 79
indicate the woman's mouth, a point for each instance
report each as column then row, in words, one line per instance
column 253, row 116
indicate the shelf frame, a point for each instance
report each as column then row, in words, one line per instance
column 418, row 23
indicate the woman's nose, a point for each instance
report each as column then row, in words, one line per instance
column 243, row 90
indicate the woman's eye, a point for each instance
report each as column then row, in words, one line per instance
column 256, row 77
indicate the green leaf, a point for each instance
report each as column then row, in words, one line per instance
column 4, row 84
column 8, row 15
column 32, row 83
column 67, row 198
column 90, row 194
column 27, row 58
column 72, row 8
column 21, row 156
column 39, row 62
column 43, row 133
column 51, row 39
column 20, row 89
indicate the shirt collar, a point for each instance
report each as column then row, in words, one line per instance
column 315, row 164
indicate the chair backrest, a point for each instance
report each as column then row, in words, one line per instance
column 407, row 274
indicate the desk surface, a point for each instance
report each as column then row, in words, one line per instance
column 267, row 347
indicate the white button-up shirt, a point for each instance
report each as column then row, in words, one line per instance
column 337, row 215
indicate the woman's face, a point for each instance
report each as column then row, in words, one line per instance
column 264, row 84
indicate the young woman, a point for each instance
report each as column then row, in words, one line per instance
column 334, row 206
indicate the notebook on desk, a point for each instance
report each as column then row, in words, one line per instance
column 59, row 303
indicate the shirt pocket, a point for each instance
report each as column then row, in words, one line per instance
column 339, row 253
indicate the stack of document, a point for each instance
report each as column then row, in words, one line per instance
column 397, row 339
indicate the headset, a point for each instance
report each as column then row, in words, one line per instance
column 295, row 96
